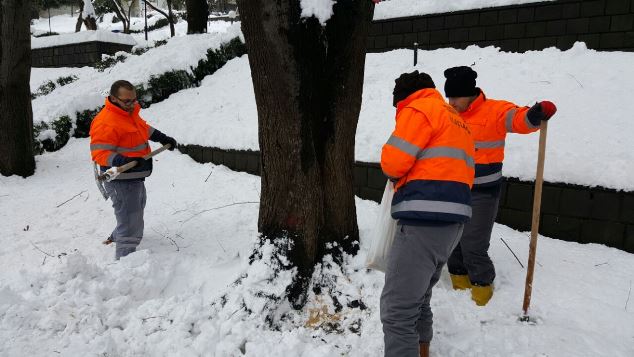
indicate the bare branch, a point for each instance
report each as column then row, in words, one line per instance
column 215, row 208
column 70, row 199
column 512, row 252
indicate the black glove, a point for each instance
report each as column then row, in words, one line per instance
column 541, row 111
column 169, row 140
column 140, row 162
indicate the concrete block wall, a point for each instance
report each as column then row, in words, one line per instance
column 569, row 212
column 601, row 24
column 74, row 55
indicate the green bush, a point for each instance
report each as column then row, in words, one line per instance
column 160, row 23
column 157, row 89
column 109, row 61
column 49, row 86
column 82, row 122
column 47, row 34
column 62, row 127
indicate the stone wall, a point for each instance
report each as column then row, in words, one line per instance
column 601, row 24
column 74, row 55
column 569, row 212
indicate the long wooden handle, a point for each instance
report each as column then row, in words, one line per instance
column 537, row 202
column 129, row 165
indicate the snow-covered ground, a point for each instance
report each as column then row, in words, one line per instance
column 89, row 91
column 61, row 293
column 403, row 8
column 590, row 102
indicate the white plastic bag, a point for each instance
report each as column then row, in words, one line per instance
column 383, row 233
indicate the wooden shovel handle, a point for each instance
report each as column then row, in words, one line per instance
column 537, row 202
column 129, row 165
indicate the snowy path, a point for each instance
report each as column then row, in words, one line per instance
column 157, row 301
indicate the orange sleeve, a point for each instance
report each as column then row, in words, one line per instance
column 412, row 133
column 512, row 119
column 103, row 144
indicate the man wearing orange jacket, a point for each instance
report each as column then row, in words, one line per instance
column 430, row 158
column 118, row 135
column 489, row 120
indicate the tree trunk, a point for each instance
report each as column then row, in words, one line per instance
column 121, row 14
column 169, row 15
column 308, row 82
column 80, row 18
column 197, row 13
column 16, row 120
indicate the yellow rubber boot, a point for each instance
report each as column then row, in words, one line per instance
column 481, row 294
column 460, row 282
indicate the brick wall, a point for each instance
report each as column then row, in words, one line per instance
column 74, row 55
column 569, row 212
column 601, row 24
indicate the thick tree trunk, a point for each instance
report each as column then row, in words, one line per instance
column 80, row 18
column 308, row 82
column 197, row 13
column 16, row 118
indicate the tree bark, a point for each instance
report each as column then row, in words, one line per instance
column 169, row 16
column 16, row 120
column 121, row 14
column 80, row 18
column 308, row 82
column 197, row 13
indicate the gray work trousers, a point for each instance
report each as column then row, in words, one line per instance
column 128, row 200
column 471, row 256
column 415, row 261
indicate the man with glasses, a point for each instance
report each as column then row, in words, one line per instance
column 118, row 135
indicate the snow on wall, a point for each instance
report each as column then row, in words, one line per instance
column 404, row 8
column 80, row 37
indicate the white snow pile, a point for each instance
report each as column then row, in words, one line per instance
column 83, row 36
column 589, row 99
column 89, row 91
column 320, row 9
column 190, row 291
column 404, row 8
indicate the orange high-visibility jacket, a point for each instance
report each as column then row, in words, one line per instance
column 490, row 120
column 115, row 133
column 430, row 153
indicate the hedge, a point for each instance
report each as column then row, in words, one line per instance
column 157, row 89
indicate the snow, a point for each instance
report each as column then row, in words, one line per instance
column 89, row 10
column 404, row 8
column 41, row 75
column 590, row 102
column 89, row 91
column 82, row 36
column 320, row 9
column 62, row 294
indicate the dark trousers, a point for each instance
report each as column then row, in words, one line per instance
column 471, row 256
column 128, row 200
column 415, row 261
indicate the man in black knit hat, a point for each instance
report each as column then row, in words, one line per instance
column 489, row 120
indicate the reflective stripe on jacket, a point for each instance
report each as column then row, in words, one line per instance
column 114, row 134
column 489, row 121
column 430, row 153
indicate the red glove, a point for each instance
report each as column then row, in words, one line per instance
column 541, row 111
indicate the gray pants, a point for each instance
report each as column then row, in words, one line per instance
column 414, row 265
column 128, row 200
column 471, row 256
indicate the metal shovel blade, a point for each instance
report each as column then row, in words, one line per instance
column 100, row 183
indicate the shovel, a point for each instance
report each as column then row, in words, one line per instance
column 113, row 172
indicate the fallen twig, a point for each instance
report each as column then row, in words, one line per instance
column 169, row 238
column 598, row 265
column 38, row 248
column 70, row 199
column 628, row 295
column 512, row 252
column 215, row 208
column 209, row 175
column 575, row 78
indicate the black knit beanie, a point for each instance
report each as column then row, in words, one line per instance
column 408, row 83
column 461, row 82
